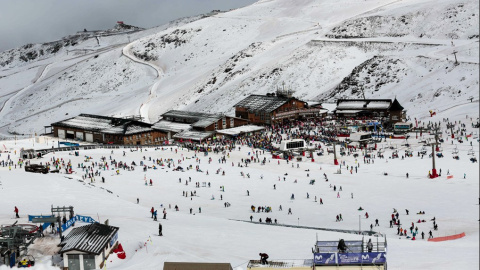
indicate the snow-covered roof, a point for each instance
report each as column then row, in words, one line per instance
column 90, row 238
column 262, row 103
column 363, row 104
column 240, row 130
column 191, row 117
column 348, row 111
column 171, row 126
column 105, row 124
column 193, row 135
column 88, row 122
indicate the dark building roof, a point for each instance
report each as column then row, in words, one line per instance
column 262, row 103
column 396, row 106
column 91, row 238
column 105, row 124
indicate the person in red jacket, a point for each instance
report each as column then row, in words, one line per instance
column 16, row 212
column 151, row 211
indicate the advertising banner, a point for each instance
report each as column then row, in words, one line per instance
column 324, row 258
column 361, row 258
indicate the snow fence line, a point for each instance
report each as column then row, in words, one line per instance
column 446, row 238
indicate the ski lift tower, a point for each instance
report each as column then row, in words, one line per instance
column 434, row 170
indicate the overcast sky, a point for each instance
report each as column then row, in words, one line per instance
column 36, row 21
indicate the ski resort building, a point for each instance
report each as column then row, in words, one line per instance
column 204, row 121
column 109, row 130
column 391, row 111
column 201, row 126
column 87, row 247
column 274, row 108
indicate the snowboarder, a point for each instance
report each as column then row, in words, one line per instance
column 160, row 229
column 16, row 212
column 263, row 258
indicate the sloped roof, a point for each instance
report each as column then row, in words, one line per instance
column 105, row 124
column 262, row 103
column 396, row 106
column 240, row 130
column 192, row 116
column 193, row 135
column 364, row 104
column 91, row 238
column 171, row 126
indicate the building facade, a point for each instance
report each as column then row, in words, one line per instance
column 273, row 108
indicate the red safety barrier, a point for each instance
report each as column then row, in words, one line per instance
column 449, row 176
column 446, row 238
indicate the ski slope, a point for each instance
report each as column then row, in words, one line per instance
column 322, row 50
column 215, row 235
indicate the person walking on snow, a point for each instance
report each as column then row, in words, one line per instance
column 151, row 211
column 16, row 212
column 160, row 229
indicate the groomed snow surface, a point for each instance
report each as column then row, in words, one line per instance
column 214, row 236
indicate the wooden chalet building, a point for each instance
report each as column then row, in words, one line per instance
column 390, row 110
column 87, row 247
column 273, row 108
column 109, row 130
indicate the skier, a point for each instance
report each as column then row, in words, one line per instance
column 16, row 212
column 430, row 235
column 376, row 222
column 164, row 213
column 289, row 211
column 155, row 215
column 423, row 235
column 406, row 210
column 366, row 214
column 251, row 218
column 151, row 211
column 160, row 229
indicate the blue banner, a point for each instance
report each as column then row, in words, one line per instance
column 114, row 239
column 324, row 258
column 75, row 219
column 361, row 258
column 31, row 217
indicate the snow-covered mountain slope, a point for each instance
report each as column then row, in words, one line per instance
column 321, row 49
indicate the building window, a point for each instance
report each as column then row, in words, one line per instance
column 88, row 262
column 216, row 125
column 224, row 122
column 74, row 262
column 232, row 123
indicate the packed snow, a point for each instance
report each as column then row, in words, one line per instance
column 226, row 234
